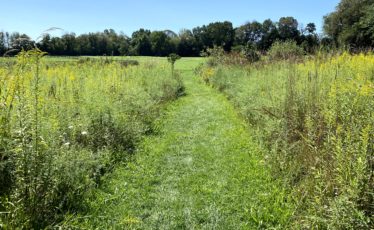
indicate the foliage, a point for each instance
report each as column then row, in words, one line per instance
column 250, row 53
column 285, row 51
column 288, row 28
column 172, row 59
column 215, row 54
column 215, row 34
column 162, row 43
column 351, row 24
column 187, row 45
column 219, row 34
column 261, row 36
column 64, row 125
column 316, row 120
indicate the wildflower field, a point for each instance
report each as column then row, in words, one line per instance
column 174, row 115
column 285, row 142
column 64, row 123
column 315, row 117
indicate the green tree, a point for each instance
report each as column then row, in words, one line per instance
column 251, row 32
column 202, row 38
column 172, row 58
column 140, row 43
column 221, row 34
column 309, row 39
column 2, row 44
column 84, row 45
column 161, row 43
column 124, row 45
column 270, row 34
column 187, row 45
column 351, row 23
column 215, row 34
column 311, row 28
column 70, row 45
column 288, row 29
column 21, row 42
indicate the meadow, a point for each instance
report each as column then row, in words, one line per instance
column 315, row 117
column 283, row 141
column 66, row 122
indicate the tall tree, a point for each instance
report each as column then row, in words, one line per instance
column 311, row 28
column 215, row 34
column 270, row 34
column 288, row 28
column 221, row 34
column 201, row 36
column 251, row 32
column 21, row 41
column 140, row 43
column 161, row 43
column 309, row 38
column 351, row 23
column 70, row 46
column 187, row 45
column 2, row 43
column 123, row 44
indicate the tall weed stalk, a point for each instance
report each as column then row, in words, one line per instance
column 316, row 119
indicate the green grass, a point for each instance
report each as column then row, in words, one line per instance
column 315, row 119
column 65, row 125
column 283, row 145
column 203, row 171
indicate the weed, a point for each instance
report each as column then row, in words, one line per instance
column 64, row 124
column 316, row 119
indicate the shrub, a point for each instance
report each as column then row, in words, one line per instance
column 215, row 55
column 172, row 58
column 250, row 52
column 287, row 50
column 126, row 63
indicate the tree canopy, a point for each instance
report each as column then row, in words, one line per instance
column 351, row 24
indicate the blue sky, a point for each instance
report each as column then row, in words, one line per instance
column 80, row 16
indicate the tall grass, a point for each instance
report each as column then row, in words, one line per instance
column 64, row 125
column 316, row 117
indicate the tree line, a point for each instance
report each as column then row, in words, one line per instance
column 161, row 43
column 351, row 25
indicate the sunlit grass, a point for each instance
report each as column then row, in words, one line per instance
column 65, row 122
column 316, row 119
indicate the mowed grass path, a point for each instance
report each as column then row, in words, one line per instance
column 202, row 171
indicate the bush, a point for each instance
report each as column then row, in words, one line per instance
column 126, row 63
column 215, row 55
column 287, row 50
column 250, row 52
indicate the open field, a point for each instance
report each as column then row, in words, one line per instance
column 149, row 115
column 120, row 142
